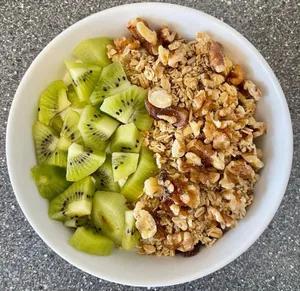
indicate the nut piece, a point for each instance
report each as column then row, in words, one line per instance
column 163, row 55
column 177, row 56
column 236, row 75
column 151, row 186
column 160, row 98
column 148, row 34
column 178, row 149
column 252, row 89
column 216, row 57
column 195, row 126
column 193, row 159
column 170, row 119
column 145, row 224
column 253, row 160
column 165, row 35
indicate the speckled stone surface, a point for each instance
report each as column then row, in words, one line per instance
column 272, row 263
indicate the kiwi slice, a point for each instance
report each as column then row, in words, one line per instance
column 50, row 180
column 70, row 133
column 147, row 168
column 108, row 213
column 127, row 138
column 96, row 127
column 57, row 123
column 77, row 222
column 113, row 80
column 52, row 101
column 124, row 164
column 74, row 99
column 46, row 141
column 104, row 177
column 87, row 240
column 129, row 106
column 93, row 51
column 74, row 202
column 131, row 235
column 82, row 162
column 84, row 78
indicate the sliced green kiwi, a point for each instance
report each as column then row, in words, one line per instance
column 50, row 180
column 46, row 141
column 104, row 177
column 57, row 123
column 52, row 101
column 96, row 127
column 82, row 162
column 127, row 138
column 74, row 99
column 70, row 132
column 84, row 78
column 85, row 239
column 124, row 164
column 131, row 235
column 93, row 51
column 74, row 202
column 129, row 106
column 147, row 168
column 77, row 222
column 113, row 80
column 108, row 213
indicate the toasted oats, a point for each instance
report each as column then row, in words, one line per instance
column 208, row 167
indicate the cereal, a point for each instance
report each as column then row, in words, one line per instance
column 203, row 137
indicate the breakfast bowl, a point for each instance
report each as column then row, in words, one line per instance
column 130, row 268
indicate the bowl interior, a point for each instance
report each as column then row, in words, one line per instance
column 128, row 267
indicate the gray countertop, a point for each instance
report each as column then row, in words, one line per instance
column 272, row 263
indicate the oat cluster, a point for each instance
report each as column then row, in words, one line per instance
column 203, row 138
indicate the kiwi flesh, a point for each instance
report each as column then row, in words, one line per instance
column 131, row 235
column 104, row 177
column 147, row 168
column 70, row 132
column 108, row 213
column 46, row 141
column 74, row 202
column 129, row 106
column 57, row 123
column 83, row 162
column 52, row 101
column 96, row 127
column 84, row 78
column 77, row 222
column 124, row 164
column 93, row 51
column 113, row 80
column 127, row 138
column 50, row 180
column 74, row 99
column 85, row 239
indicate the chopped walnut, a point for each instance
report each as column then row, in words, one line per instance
column 193, row 159
column 252, row 89
column 165, row 35
column 151, row 186
column 145, row 224
column 177, row 56
column 216, row 57
column 178, row 149
column 236, row 75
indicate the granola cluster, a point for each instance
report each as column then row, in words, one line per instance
column 203, row 137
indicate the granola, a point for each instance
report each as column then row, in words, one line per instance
column 203, row 137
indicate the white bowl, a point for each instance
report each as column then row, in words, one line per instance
column 128, row 267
